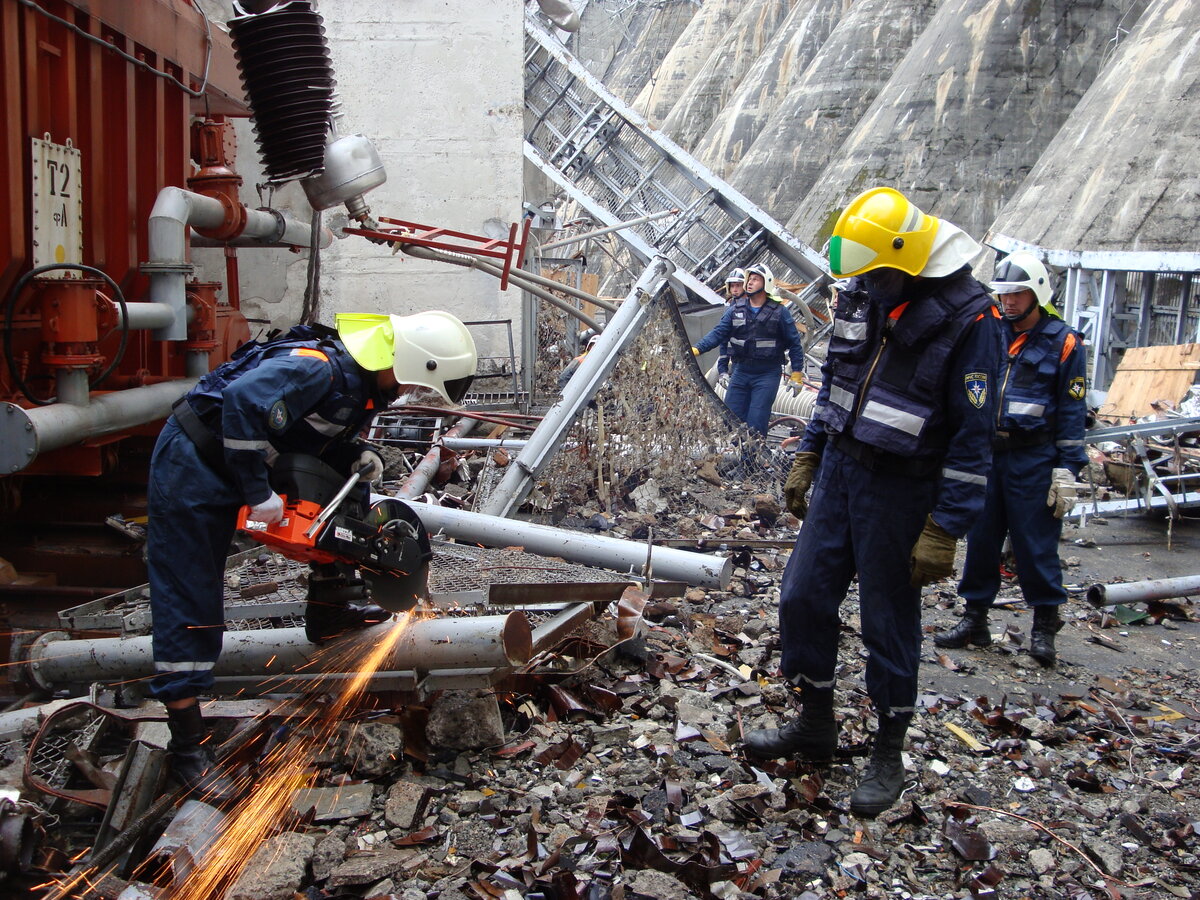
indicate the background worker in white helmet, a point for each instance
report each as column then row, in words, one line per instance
column 1038, row 453
column 735, row 286
column 897, row 455
column 311, row 392
column 762, row 336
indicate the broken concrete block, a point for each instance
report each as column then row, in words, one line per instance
column 332, row 803
column 276, row 870
column 403, row 805
column 368, row 868
column 329, row 853
column 766, row 509
column 374, row 748
column 465, row 720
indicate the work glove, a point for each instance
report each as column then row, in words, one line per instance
column 695, row 351
column 799, row 480
column 268, row 512
column 933, row 555
column 369, row 466
column 797, row 378
column 1062, row 492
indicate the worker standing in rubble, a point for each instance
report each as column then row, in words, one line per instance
column 899, row 451
column 312, row 392
column 1038, row 454
column 762, row 335
column 735, row 286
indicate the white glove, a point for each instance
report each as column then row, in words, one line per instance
column 369, row 466
column 268, row 512
column 1062, row 492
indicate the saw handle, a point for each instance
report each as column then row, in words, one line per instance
column 331, row 507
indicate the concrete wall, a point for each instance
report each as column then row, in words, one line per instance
column 437, row 86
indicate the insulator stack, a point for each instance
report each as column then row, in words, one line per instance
column 288, row 79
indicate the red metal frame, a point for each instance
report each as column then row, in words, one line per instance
column 510, row 251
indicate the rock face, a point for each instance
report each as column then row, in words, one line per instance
column 1136, row 187
column 721, row 74
column 770, row 79
column 641, row 36
column 686, row 58
column 825, row 102
column 969, row 110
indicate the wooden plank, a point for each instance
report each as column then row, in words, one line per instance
column 1147, row 375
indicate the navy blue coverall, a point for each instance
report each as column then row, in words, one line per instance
column 760, row 341
column 904, row 428
column 1041, row 413
column 298, row 396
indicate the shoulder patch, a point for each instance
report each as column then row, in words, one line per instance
column 1077, row 388
column 976, row 385
column 277, row 418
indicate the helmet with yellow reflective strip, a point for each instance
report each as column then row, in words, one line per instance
column 432, row 349
column 881, row 228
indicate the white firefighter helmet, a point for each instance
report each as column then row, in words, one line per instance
column 1022, row 271
column 768, row 279
column 736, row 276
column 432, row 349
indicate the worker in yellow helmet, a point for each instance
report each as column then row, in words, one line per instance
column 898, row 449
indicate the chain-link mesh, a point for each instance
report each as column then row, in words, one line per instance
column 656, row 441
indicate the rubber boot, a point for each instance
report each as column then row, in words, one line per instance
column 1046, row 624
column 191, row 759
column 972, row 629
column 338, row 603
column 813, row 735
column 883, row 778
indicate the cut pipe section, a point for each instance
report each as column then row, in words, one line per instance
column 615, row 554
column 55, row 661
column 1140, row 591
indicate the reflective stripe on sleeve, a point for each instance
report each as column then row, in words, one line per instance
column 968, row 477
column 234, row 444
column 1068, row 443
column 851, row 331
column 324, row 426
column 183, row 666
column 841, row 397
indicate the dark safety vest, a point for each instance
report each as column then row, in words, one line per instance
column 342, row 412
column 756, row 336
column 888, row 371
column 1028, row 398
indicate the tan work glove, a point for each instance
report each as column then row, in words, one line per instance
column 933, row 555
column 797, row 378
column 799, row 480
column 1062, row 492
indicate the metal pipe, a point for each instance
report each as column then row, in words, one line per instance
column 1135, row 591
column 471, row 262
column 434, row 643
column 26, row 433
column 587, row 235
column 418, row 479
column 460, row 443
column 175, row 209
column 195, row 239
column 526, row 275
column 548, row 436
column 143, row 316
column 71, row 386
column 574, row 546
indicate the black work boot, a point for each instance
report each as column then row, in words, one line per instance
column 972, row 629
column 884, row 776
column 192, row 760
column 812, row 735
column 1046, row 624
column 337, row 604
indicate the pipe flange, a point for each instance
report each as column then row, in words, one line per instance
column 18, row 439
column 33, row 656
column 180, row 267
column 280, row 225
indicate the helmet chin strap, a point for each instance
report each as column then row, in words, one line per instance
column 1023, row 316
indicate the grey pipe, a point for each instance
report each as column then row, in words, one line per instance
column 471, row 262
column 174, row 211
column 628, row 223
column 26, row 433
column 418, row 479
column 610, row 553
column 548, row 436
column 144, row 316
column 1135, row 591
column 460, row 443
column 435, row 643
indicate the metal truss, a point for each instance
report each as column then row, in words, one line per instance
column 609, row 161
